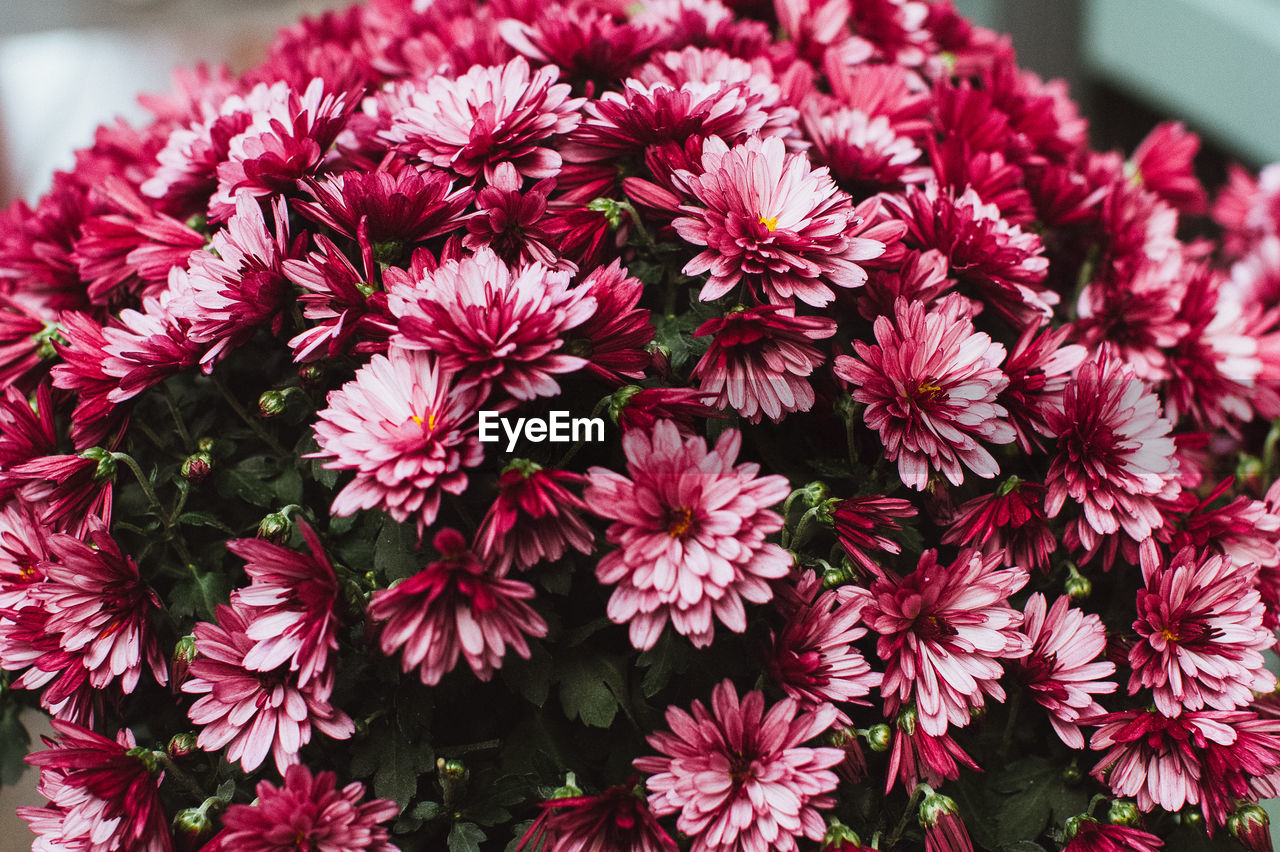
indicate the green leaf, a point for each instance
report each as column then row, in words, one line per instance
column 427, row 810
column 465, row 837
column 200, row 595
column 395, row 553
column 530, row 678
column 249, row 480
column 669, row 657
column 590, row 687
column 13, row 745
column 288, row 486
column 205, row 519
column 399, row 764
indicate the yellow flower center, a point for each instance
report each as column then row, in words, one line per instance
column 681, row 520
column 928, row 391
column 770, row 223
column 431, row 420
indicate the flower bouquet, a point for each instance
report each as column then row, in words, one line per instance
column 563, row 426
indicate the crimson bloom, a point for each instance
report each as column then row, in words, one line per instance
column 861, row 524
column 690, row 528
column 101, row 795
column 767, row 218
column 943, row 632
column 1010, row 521
column 930, row 385
column 307, row 812
column 1085, row 834
column 455, row 607
column 617, row 820
column 535, row 518
column 760, row 360
column 738, row 775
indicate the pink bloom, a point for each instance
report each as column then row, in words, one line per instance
column 25, row 342
column 406, row 431
column 1162, row 163
column 288, row 606
column 1205, row 757
column 485, row 117
column 919, row 756
column 100, row 608
column 147, row 347
column 767, row 218
column 455, row 607
column 690, row 529
column 943, row 632
column 1114, row 454
column 402, row 207
column 535, row 518
column 1063, row 671
column 1038, row 368
column 814, row 659
column 348, row 311
column 308, row 812
column 760, row 360
column 83, row 372
column 254, row 713
column 1137, row 313
column 512, row 222
column 617, row 820
column 1200, row 620
column 23, row 548
column 614, row 337
column 863, row 152
column 1085, row 834
column 69, row 489
column 738, row 776
column 861, row 524
column 1009, row 521
column 640, row 408
column 930, row 387
column 944, row 830
column 490, row 323
column 101, row 797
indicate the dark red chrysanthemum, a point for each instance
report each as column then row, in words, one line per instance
column 617, row 820
column 861, row 524
column 535, row 518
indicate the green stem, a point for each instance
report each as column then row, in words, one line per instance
column 248, row 419
column 892, row 840
column 167, row 518
column 183, row 779
column 172, row 404
column 1006, row 741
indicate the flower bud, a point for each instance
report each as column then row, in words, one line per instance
column 454, row 770
column 310, row 375
column 273, row 527
column 1077, row 586
column 106, row 470
column 272, row 403
column 1251, row 826
column 879, row 737
column 840, row 838
column 619, row 399
column 570, row 789
column 1072, row 774
column 192, row 823
column 197, row 467
column 1123, row 812
column 660, row 359
column 185, row 650
column 181, row 745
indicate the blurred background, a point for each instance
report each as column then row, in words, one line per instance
column 67, row 66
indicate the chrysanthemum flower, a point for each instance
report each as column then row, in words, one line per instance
column 944, row 829
column 487, row 116
column 760, row 360
column 510, row 219
column 22, row 550
column 1162, row 163
column 1038, row 368
column 24, row 342
column 288, row 605
column 1138, row 314
column 1085, row 834
column 1208, row 757
column 943, row 632
column 1200, row 620
column 862, row 152
column 400, row 207
column 930, row 386
column 1114, row 454
column 739, row 777
column 617, row 820
column 100, row 608
column 861, row 524
column 455, row 607
column 814, row 659
column 491, row 324
column 690, row 528
column 307, row 812
column 1010, row 521
column 147, row 347
column 535, row 518
column 1063, row 671
column 614, row 337
column 769, row 219
column 919, row 756
column 251, row 713
column 349, row 313
column 640, row 408
column 406, row 431
column 101, row 797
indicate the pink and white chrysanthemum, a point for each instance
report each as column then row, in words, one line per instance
column 251, row 713
column 760, row 360
column 535, row 518
column 769, row 219
column 1085, row 834
column 690, row 528
column 100, row 797
column 944, row 630
column 739, row 776
column 863, row 152
column 23, row 548
column 1208, row 757
column 454, row 608
column 491, row 324
column 1200, row 623
column 617, row 820
column 862, row 524
column 289, row 605
column 1063, row 671
column 814, row 659
column 917, row 756
column 930, row 385
column 1009, row 521
column 406, row 431
column 1114, row 455
column 100, row 609
column 487, row 116
column 307, row 812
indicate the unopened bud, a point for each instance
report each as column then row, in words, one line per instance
column 310, row 375
column 192, row 823
column 181, row 745
column 184, row 652
column 451, row 769
column 272, row 404
column 1072, row 774
column 1251, row 826
column 106, row 470
column 660, row 359
column 1123, row 812
column 879, row 737
column 273, row 527
column 1077, row 586
column 197, row 467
